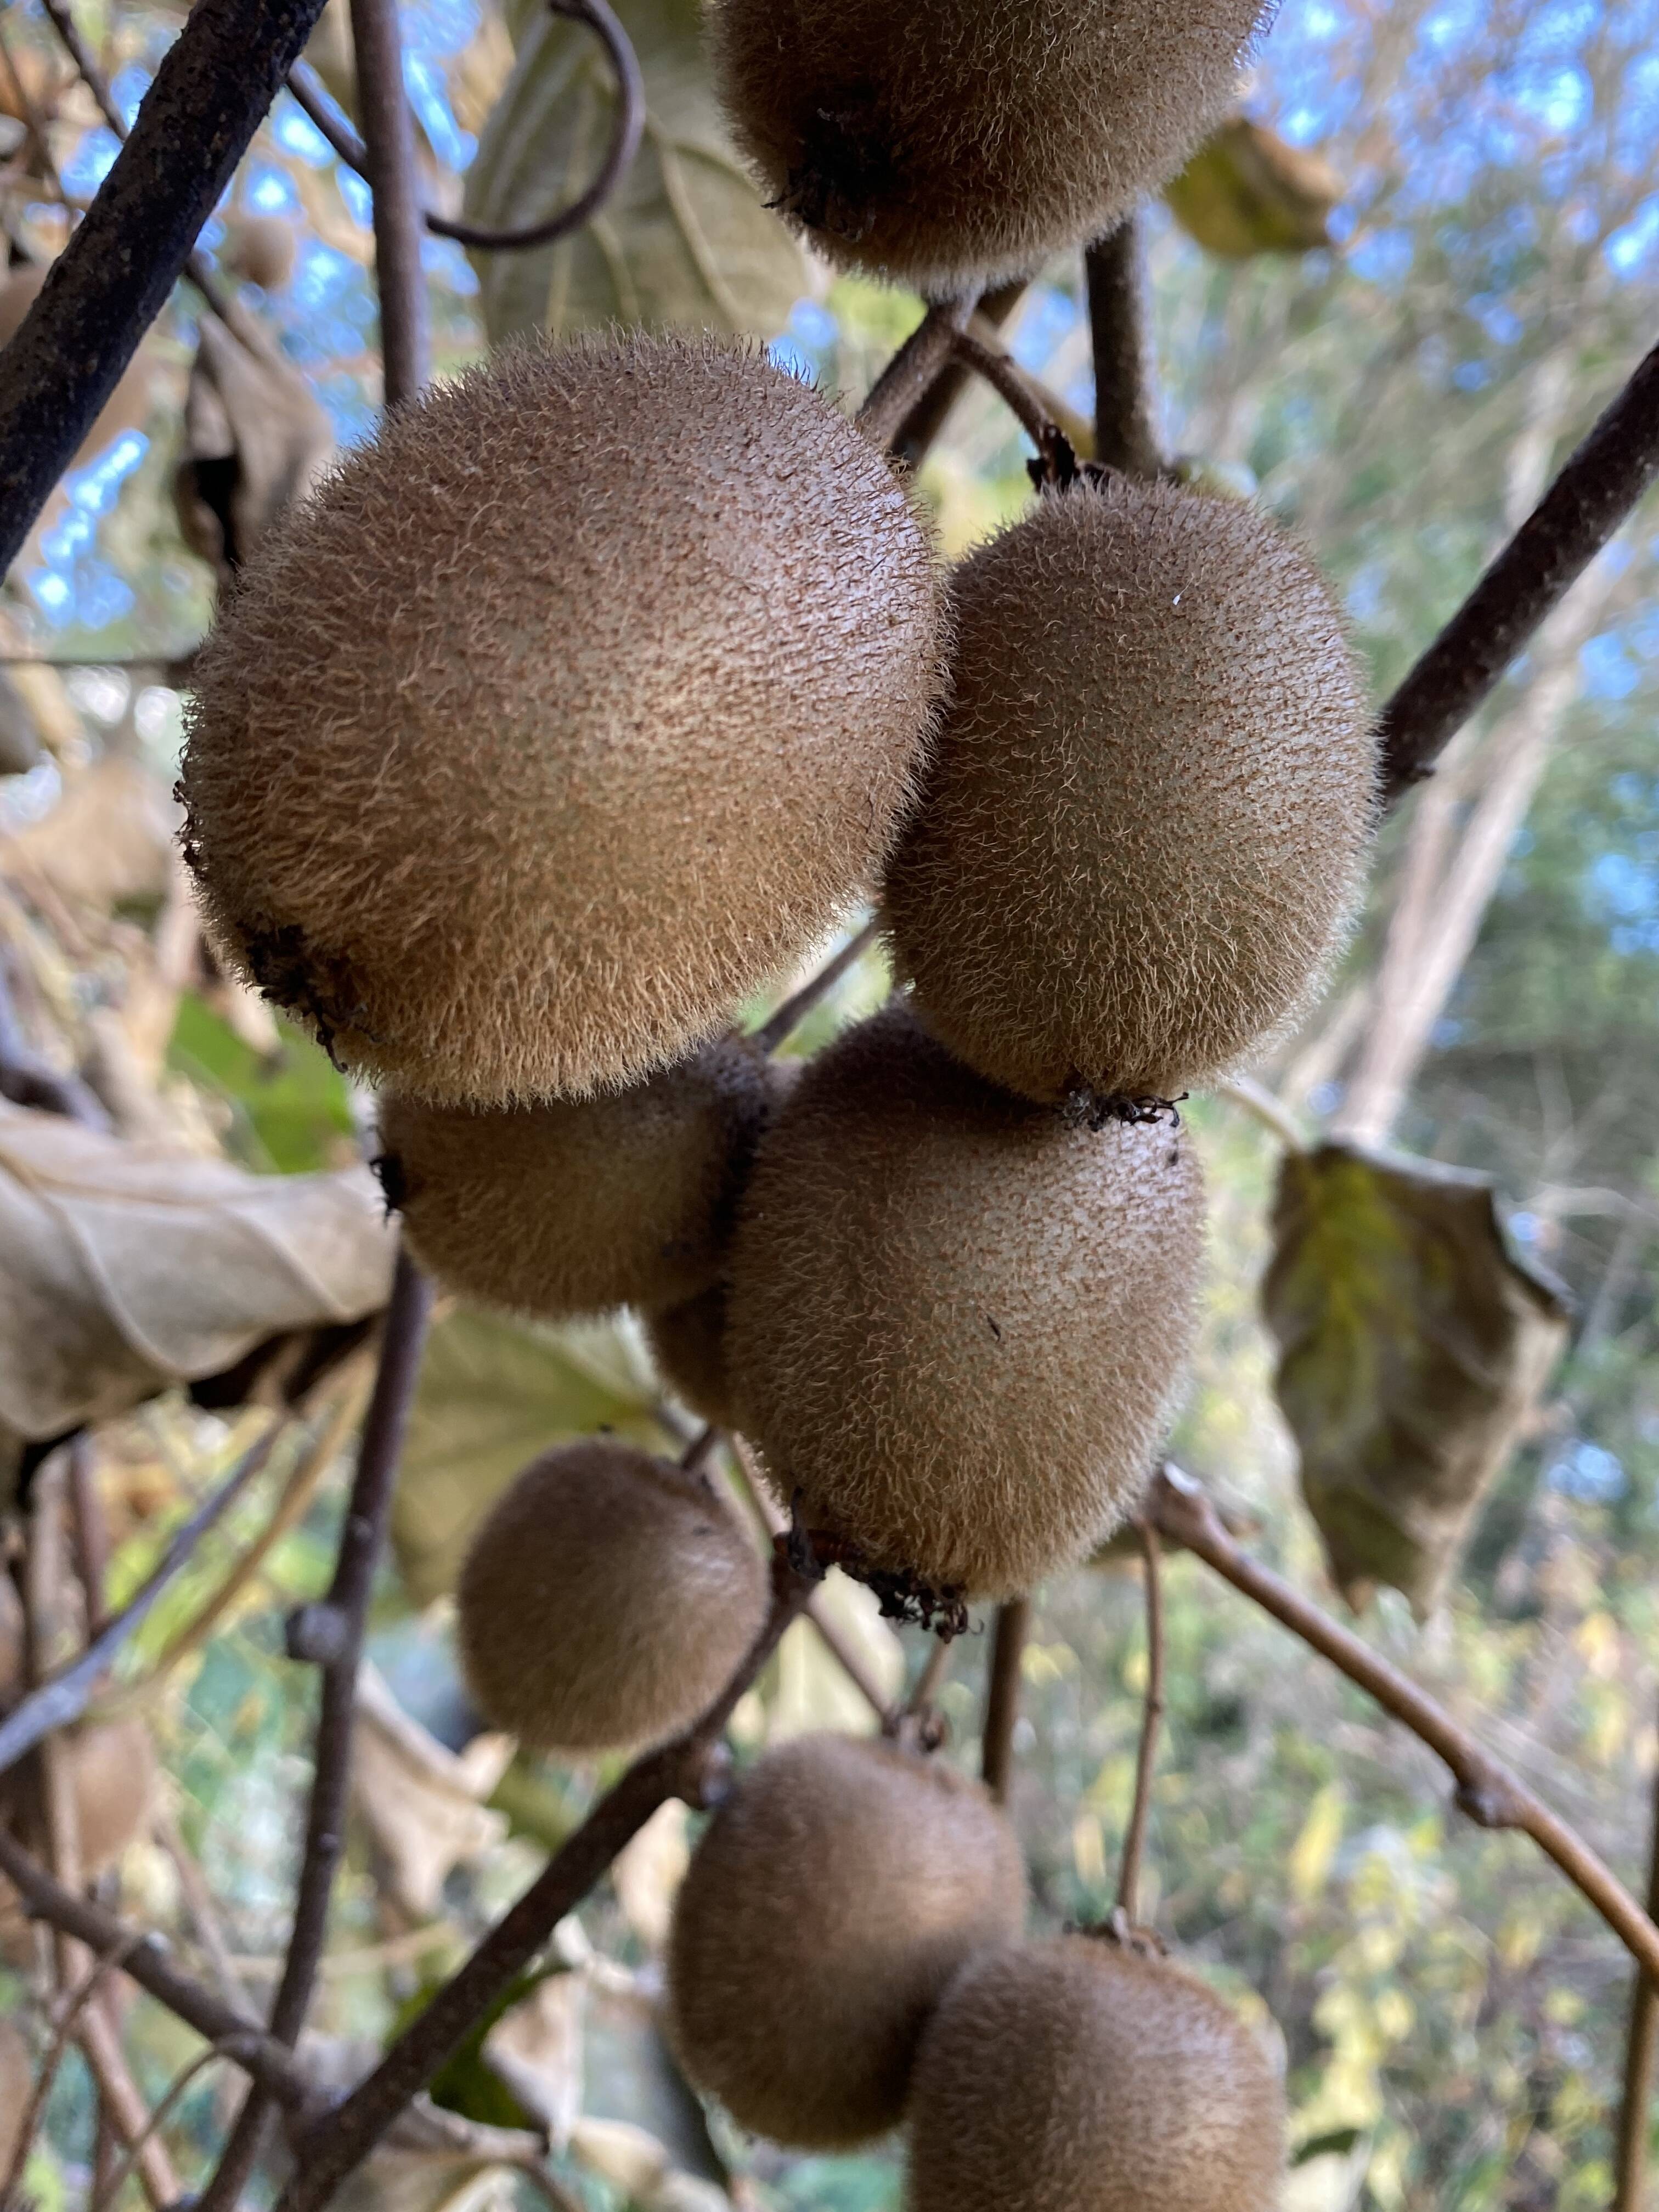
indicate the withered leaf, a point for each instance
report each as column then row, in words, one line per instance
column 684, row 241
column 1413, row 1347
column 126, row 1267
column 256, row 439
column 423, row 1802
column 1247, row 190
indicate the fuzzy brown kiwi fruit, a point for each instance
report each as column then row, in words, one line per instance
column 957, row 1318
column 564, row 717
column 1146, row 821
column 576, row 1205
column 261, row 248
column 688, row 1343
column 605, row 1600
column 829, row 1903
column 944, row 143
column 1078, row 2074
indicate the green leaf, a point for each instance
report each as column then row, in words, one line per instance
column 494, row 1393
column 292, row 1109
column 1247, row 190
column 684, row 242
column 1413, row 1347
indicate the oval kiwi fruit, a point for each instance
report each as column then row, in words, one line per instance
column 576, row 1205
column 262, row 248
column 1146, row 823
column 1081, row 2073
column 957, row 1318
column 827, row 1906
column 606, row 1600
column 944, row 144
column 688, row 1343
column 568, row 714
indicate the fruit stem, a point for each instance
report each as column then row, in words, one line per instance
column 911, row 371
column 1630, row 2158
column 1134, row 1841
column 1126, row 432
column 1002, row 1697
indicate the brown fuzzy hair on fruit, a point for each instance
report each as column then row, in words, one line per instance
column 944, row 144
column 1147, row 822
column 956, row 1318
column 563, row 717
column 833, row 1896
column 577, row 1204
column 688, row 1343
column 1079, row 2073
column 605, row 1600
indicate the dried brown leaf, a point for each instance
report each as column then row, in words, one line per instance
column 256, row 439
column 423, row 1804
column 1413, row 1347
column 1247, row 190
column 127, row 1267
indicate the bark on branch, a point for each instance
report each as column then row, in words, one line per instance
column 111, row 280
column 1487, row 1791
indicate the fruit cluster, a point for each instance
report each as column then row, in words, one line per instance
column 567, row 718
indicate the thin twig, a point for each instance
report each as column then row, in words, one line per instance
column 772, row 1523
column 110, row 2189
column 335, row 2147
column 63, row 2033
column 914, row 438
column 1126, row 426
column 701, row 1449
column 910, row 373
column 1492, row 1795
column 389, row 145
column 144, row 1958
column 1002, row 1698
column 88, row 1531
column 998, row 368
column 215, row 83
column 930, row 1680
column 1583, row 509
column 28, row 1080
column 1257, row 1101
column 65, row 1697
column 1636, row 2108
column 201, row 1908
column 331, row 1633
column 1152, row 1716
column 781, row 1023
column 197, row 266
column 626, row 131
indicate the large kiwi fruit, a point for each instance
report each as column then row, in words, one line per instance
column 576, row 1205
column 605, row 1600
column 1146, row 823
column 955, row 1317
column 688, row 1342
column 566, row 715
column 944, row 144
column 829, row 1903
column 1081, row 2073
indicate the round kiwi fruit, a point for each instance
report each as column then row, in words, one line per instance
column 576, row 1205
column 1082, row 2074
column 261, row 248
column 829, row 1903
column 957, row 1318
column 606, row 1600
column 564, row 717
column 1146, row 823
column 943, row 145
column 688, row 1342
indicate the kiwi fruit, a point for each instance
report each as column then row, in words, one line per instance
column 944, row 144
column 955, row 1317
column 606, row 1600
column 1146, row 821
column 829, row 1903
column 261, row 248
column 566, row 715
column 688, row 1343
column 127, row 407
column 1084, row 2073
column 579, row 1204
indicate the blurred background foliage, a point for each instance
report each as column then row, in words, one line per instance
column 1387, row 302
